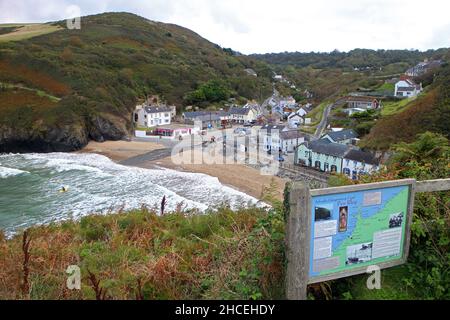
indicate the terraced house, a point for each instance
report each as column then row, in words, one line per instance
column 332, row 157
column 245, row 114
column 152, row 116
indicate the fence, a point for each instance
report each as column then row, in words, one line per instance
column 311, row 173
column 383, row 241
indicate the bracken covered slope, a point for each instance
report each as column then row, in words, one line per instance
column 61, row 89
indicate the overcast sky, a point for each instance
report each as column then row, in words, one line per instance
column 259, row 26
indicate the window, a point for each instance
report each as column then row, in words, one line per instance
column 166, row 115
column 317, row 165
column 333, row 168
column 136, row 117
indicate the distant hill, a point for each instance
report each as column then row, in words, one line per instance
column 392, row 60
column 60, row 88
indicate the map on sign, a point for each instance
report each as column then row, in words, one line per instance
column 356, row 229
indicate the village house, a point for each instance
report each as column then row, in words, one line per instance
column 407, row 88
column 363, row 102
column 246, row 114
column 278, row 138
column 209, row 119
column 282, row 107
column 357, row 163
column 291, row 139
column 272, row 137
column 321, row 155
column 294, row 120
column 174, row 131
column 344, row 137
column 152, row 116
column 423, row 67
column 333, row 157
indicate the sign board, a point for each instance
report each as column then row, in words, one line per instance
column 358, row 226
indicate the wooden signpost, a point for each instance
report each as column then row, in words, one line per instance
column 339, row 232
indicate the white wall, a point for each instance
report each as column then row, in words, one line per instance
column 158, row 119
column 352, row 165
column 291, row 144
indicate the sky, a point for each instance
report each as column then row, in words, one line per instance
column 265, row 26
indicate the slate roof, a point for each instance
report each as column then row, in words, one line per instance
column 275, row 127
column 293, row 134
column 157, row 109
column 237, row 110
column 332, row 149
column 342, row 135
column 341, row 151
column 361, row 156
column 204, row 114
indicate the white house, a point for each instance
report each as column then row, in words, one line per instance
column 363, row 102
column 243, row 115
column 407, row 88
column 295, row 120
column 342, row 137
column 356, row 163
column 291, row 139
column 271, row 137
column 152, row 116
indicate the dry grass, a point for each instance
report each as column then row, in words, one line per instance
column 139, row 255
column 27, row 31
column 33, row 78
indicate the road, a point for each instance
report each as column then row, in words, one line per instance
column 323, row 123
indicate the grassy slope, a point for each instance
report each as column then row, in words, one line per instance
column 392, row 107
column 224, row 255
column 26, row 31
column 404, row 120
column 134, row 255
column 116, row 59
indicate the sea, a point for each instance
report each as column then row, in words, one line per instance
column 30, row 187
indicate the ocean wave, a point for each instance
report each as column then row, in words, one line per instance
column 6, row 172
column 97, row 185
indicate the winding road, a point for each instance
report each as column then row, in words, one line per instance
column 323, row 123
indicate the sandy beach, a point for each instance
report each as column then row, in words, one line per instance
column 152, row 155
column 121, row 150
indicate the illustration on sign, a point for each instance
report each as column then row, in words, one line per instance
column 357, row 229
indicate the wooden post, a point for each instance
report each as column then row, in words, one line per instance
column 297, row 242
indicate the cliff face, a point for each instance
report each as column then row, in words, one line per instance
column 60, row 138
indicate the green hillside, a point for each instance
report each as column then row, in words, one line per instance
column 99, row 73
column 429, row 112
column 335, row 73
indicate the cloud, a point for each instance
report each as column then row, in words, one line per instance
column 274, row 26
